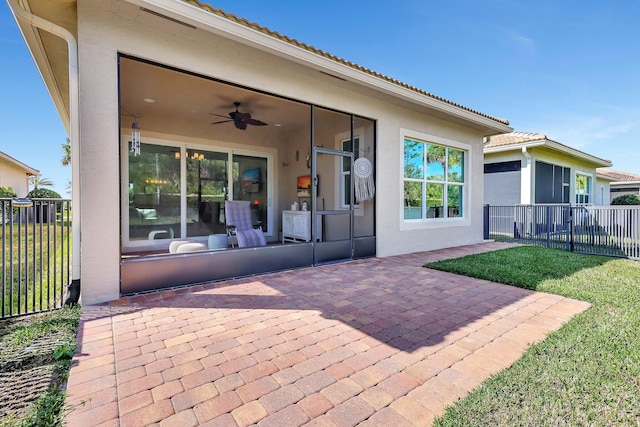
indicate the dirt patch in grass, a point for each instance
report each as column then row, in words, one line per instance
column 27, row 365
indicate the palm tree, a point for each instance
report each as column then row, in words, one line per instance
column 37, row 181
column 66, row 157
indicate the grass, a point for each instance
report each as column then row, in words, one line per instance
column 39, row 341
column 588, row 372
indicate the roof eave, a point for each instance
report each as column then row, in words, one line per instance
column 227, row 28
column 17, row 163
column 623, row 183
column 42, row 60
column 597, row 161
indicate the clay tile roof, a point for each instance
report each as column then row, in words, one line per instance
column 513, row 138
column 294, row 42
column 617, row 175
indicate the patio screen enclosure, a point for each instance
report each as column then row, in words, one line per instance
column 192, row 156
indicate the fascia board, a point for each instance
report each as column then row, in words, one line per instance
column 553, row 146
column 28, row 169
column 579, row 154
column 624, row 183
column 514, row 147
column 226, row 28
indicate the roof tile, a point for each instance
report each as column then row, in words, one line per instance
column 275, row 34
column 619, row 176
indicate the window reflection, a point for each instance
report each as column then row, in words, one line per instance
column 206, row 192
column 154, row 193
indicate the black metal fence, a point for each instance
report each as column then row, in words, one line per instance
column 598, row 230
column 35, row 255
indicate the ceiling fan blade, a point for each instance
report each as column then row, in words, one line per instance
column 255, row 122
column 222, row 121
column 219, row 115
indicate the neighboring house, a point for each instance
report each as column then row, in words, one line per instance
column 161, row 145
column 621, row 182
column 15, row 174
column 528, row 168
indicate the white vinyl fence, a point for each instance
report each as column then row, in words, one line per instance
column 599, row 230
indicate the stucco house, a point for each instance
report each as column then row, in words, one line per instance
column 174, row 107
column 15, row 174
column 621, row 182
column 529, row 168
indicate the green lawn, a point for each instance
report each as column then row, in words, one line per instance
column 585, row 374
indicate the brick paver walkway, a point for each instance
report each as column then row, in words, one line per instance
column 371, row 342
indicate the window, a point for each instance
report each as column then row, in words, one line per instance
column 583, row 188
column 552, row 183
column 345, row 171
column 434, row 180
column 154, row 193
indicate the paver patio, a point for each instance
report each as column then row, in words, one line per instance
column 369, row 342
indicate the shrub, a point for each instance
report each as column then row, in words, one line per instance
column 7, row 192
column 626, row 199
column 43, row 193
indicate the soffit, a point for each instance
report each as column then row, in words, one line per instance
column 50, row 52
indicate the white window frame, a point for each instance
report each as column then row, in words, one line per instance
column 591, row 182
column 425, row 223
column 340, row 139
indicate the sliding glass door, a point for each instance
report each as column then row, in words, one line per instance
column 178, row 191
column 154, row 189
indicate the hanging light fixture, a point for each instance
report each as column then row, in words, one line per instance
column 194, row 155
column 135, row 137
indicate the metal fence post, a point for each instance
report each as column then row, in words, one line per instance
column 486, row 222
column 571, row 228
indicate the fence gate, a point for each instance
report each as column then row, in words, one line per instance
column 35, row 255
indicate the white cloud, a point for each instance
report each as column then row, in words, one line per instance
column 520, row 41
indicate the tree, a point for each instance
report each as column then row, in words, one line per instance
column 37, row 181
column 66, row 156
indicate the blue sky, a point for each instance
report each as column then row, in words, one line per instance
column 568, row 69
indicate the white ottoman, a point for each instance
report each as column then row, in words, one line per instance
column 191, row 247
column 173, row 246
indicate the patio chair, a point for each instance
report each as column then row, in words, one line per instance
column 237, row 215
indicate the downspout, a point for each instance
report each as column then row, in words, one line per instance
column 73, row 291
column 526, row 179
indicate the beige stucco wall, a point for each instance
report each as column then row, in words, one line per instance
column 14, row 177
column 109, row 27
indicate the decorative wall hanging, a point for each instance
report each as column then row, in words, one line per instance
column 135, row 137
column 363, row 183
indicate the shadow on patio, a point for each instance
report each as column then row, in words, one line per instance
column 383, row 340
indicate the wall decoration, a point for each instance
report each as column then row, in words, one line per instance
column 304, row 186
column 251, row 180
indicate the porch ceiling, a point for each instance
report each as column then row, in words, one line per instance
column 185, row 104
